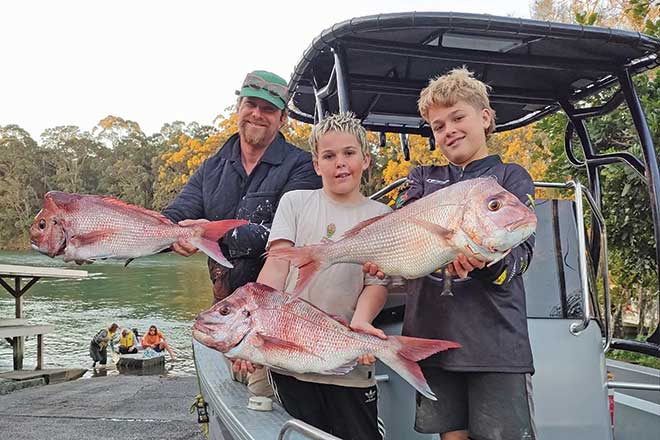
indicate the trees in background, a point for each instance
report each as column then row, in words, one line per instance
column 23, row 168
column 631, row 243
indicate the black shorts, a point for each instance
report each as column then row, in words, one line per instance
column 346, row 412
column 490, row 406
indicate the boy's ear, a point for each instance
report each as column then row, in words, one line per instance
column 486, row 117
column 316, row 167
column 366, row 160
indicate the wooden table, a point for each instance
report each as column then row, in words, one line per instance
column 32, row 274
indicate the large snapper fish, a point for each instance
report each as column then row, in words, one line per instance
column 88, row 227
column 266, row 326
column 474, row 217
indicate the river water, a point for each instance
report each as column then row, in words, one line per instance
column 165, row 290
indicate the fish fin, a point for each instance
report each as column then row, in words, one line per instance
column 91, row 237
column 262, row 287
column 50, row 202
column 402, row 356
column 267, row 342
column 432, row 228
column 207, row 239
column 341, row 370
column 212, row 249
column 326, row 240
column 363, row 224
column 128, row 261
column 58, row 199
column 127, row 206
column 416, row 349
column 216, row 230
column 308, row 259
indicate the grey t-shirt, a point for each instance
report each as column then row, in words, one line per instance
column 307, row 217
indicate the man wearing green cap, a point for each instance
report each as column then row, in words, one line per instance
column 245, row 180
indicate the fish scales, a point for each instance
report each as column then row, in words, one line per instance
column 396, row 243
column 312, row 329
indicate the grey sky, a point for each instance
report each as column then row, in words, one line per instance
column 75, row 62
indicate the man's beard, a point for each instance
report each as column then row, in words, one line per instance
column 253, row 135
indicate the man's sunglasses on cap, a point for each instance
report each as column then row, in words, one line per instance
column 277, row 90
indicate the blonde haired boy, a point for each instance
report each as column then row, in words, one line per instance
column 342, row 405
column 484, row 388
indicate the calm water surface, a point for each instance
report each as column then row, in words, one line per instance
column 165, row 290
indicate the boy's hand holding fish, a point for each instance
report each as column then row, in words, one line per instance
column 460, row 267
column 244, row 367
column 365, row 327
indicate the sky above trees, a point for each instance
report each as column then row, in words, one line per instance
column 76, row 62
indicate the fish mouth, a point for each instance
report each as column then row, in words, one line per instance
column 528, row 220
column 202, row 334
column 198, row 326
column 207, row 340
column 202, row 337
column 37, row 248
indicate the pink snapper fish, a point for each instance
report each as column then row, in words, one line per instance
column 475, row 217
column 89, row 227
column 266, row 326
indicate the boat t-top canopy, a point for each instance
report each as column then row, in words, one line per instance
column 377, row 65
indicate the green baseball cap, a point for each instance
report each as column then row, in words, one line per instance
column 266, row 85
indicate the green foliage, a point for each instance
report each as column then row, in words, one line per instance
column 130, row 174
column 22, row 167
column 586, row 18
column 641, row 9
column 634, row 358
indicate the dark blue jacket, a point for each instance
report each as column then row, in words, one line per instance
column 221, row 189
column 487, row 312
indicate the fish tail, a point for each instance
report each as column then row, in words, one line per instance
column 308, row 259
column 403, row 353
column 207, row 240
column 216, row 230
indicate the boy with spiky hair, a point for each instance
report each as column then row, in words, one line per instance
column 483, row 389
column 342, row 405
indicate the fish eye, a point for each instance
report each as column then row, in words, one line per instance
column 42, row 224
column 494, row 205
column 225, row 311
